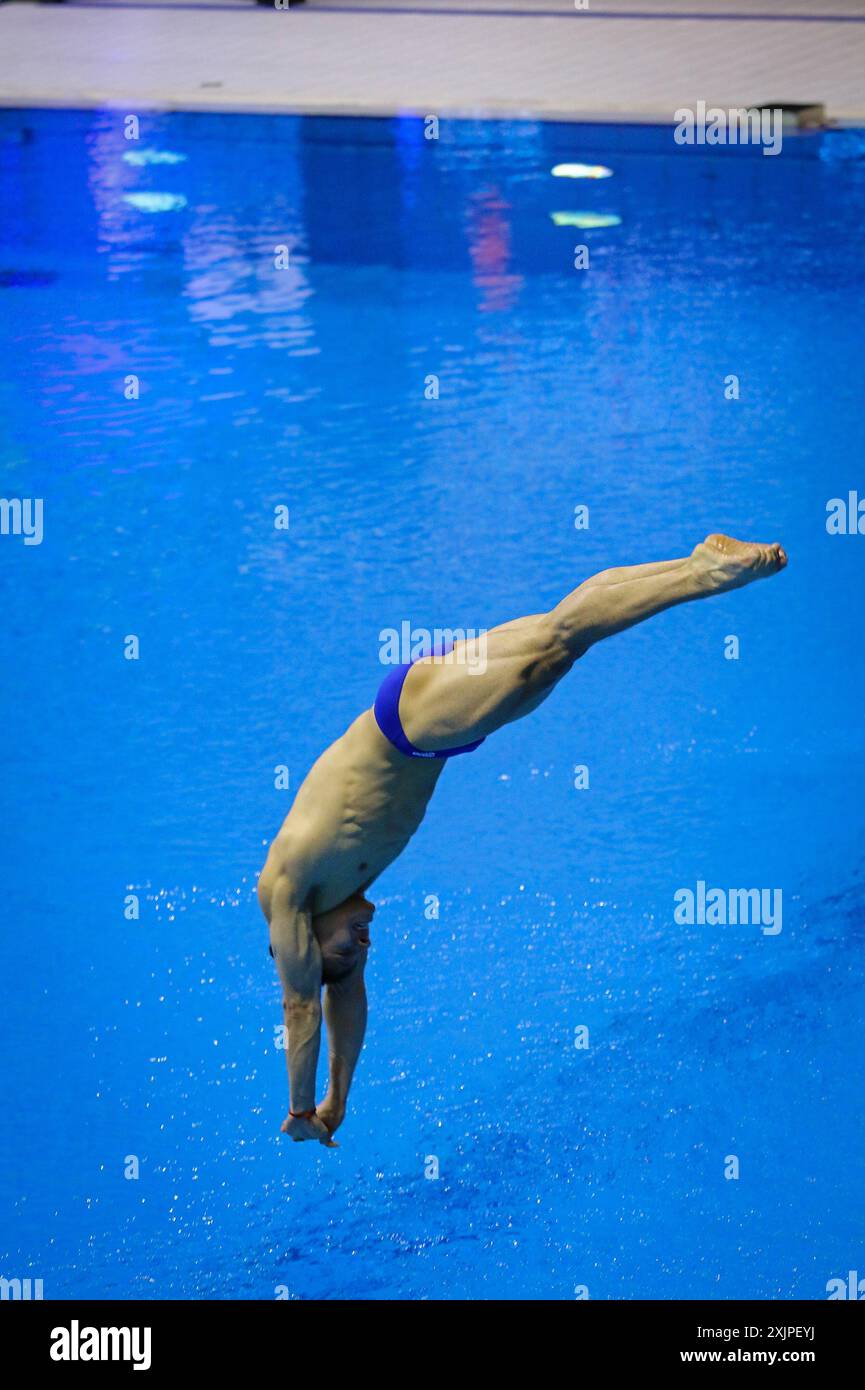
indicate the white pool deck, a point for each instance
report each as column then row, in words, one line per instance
column 617, row 60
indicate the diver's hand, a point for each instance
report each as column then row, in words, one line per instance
column 332, row 1115
column 298, row 1128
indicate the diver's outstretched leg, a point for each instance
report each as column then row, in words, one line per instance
column 617, row 599
column 506, row 673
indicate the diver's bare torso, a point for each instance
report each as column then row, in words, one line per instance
column 355, row 812
column 363, row 799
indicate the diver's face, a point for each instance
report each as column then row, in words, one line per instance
column 343, row 935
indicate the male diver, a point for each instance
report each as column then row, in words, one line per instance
column 365, row 797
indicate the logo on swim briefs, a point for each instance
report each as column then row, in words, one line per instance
column 718, row 907
column 77, row 1343
column 399, row 646
column 737, row 125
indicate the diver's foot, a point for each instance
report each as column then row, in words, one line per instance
column 722, row 563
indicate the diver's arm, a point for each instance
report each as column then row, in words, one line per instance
column 298, row 961
column 345, row 1012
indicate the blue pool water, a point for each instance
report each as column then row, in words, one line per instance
column 560, row 1168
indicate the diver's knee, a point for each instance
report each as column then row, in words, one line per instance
column 562, row 647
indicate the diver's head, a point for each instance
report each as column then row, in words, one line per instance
column 343, row 936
